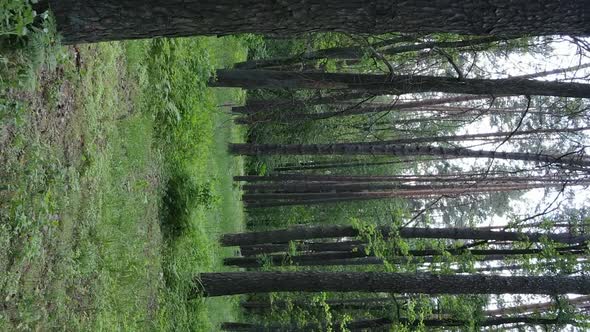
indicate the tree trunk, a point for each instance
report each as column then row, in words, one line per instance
column 102, row 20
column 480, row 136
column 346, row 164
column 307, row 198
column 376, row 148
column 532, row 307
column 336, row 231
column 278, row 180
column 359, row 109
column 360, row 258
column 269, row 248
column 233, row 283
column 380, row 323
column 303, row 187
column 267, row 105
column 359, row 246
column 395, row 84
column 356, row 53
column 353, row 304
column 380, row 190
column 555, row 71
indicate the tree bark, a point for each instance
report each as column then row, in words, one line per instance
column 359, row 258
column 346, row 164
column 307, row 198
column 353, row 304
column 379, row 323
column 376, row 148
column 395, row 84
column 381, row 190
column 532, row 307
column 233, row 283
column 336, row 231
column 267, row 105
column 360, row 109
column 479, row 136
column 355, row 53
column 102, row 20
column 359, row 246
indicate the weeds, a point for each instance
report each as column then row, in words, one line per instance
column 92, row 156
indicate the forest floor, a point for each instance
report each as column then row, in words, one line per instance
column 115, row 182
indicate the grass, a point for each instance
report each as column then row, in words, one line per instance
column 116, row 182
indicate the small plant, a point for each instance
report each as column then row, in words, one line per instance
column 205, row 194
column 16, row 17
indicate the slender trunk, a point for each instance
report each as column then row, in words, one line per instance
column 324, row 189
column 494, row 321
column 359, row 246
column 353, row 304
column 356, row 53
column 356, row 191
column 233, row 283
column 479, row 136
column 479, row 110
column 268, row 248
column 395, row 84
column 457, row 177
column 347, row 164
column 352, row 52
column 356, row 258
column 336, row 231
column 394, row 182
column 267, row 105
column 104, row 20
column 398, row 150
column 359, row 109
column 308, row 260
column 532, row 307
column 555, row 71
column 265, row 200
column 380, row 323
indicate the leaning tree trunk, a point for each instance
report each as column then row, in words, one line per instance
column 101, row 20
column 376, row 149
column 233, row 283
column 395, row 84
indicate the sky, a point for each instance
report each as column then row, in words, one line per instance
column 564, row 54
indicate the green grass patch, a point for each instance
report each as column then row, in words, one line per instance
column 116, row 182
column 201, row 201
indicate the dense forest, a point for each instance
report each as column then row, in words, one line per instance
column 310, row 166
column 410, row 181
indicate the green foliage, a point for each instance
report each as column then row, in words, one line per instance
column 178, row 70
column 16, row 17
column 81, row 203
column 199, row 199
